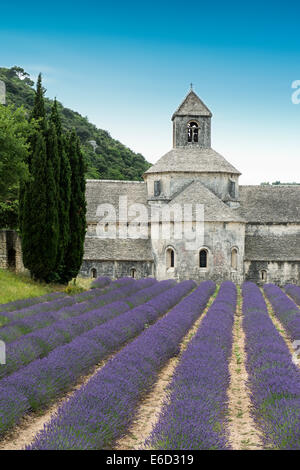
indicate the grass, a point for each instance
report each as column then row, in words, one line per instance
column 20, row 286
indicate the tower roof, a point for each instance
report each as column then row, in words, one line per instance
column 192, row 105
column 197, row 160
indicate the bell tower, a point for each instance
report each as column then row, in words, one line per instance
column 192, row 123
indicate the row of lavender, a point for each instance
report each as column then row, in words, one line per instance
column 194, row 415
column 37, row 384
column 294, row 292
column 39, row 343
column 100, row 412
column 285, row 309
column 274, row 380
column 60, row 301
column 100, row 282
column 24, row 303
column 31, row 323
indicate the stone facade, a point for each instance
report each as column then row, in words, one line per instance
column 11, row 251
column 116, row 269
column 250, row 232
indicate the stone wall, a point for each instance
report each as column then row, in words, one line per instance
column 172, row 183
column 219, row 240
column 275, row 249
column 180, row 130
column 11, row 251
column 117, row 269
column 3, row 250
column 277, row 272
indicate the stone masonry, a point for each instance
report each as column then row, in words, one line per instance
column 250, row 232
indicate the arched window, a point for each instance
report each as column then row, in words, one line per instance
column 263, row 275
column 203, row 258
column 133, row 272
column 94, row 273
column 170, row 255
column 234, row 254
column 193, row 130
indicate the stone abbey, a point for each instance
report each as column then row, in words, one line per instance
column 250, row 232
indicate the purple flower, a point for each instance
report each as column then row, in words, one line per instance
column 101, row 411
column 40, row 342
column 44, row 379
column 285, row 309
column 294, row 292
column 194, row 415
column 274, row 380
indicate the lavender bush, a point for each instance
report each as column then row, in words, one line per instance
column 285, row 309
column 25, row 325
column 101, row 411
column 44, row 379
column 101, row 281
column 193, row 416
column 39, row 343
column 23, row 303
column 59, row 303
column 294, row 292
column 274, row 380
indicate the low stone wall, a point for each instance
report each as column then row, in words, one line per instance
column 277, row 272
column 3, row 250
column 116, row 269
column 11, row 251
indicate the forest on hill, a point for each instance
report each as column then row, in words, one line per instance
column 109, row 160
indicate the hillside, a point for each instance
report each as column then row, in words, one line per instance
column 110, row 160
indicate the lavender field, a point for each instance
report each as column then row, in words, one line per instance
column 143, row 364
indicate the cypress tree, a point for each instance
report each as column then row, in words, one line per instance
column 38, row 111
column 53, row 177
column 63, row 193
column 74, row 253
column 38, row 207
column 39, row 234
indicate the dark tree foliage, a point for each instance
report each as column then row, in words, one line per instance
column 39, row 217
column 63, row 191
column 39, row 198
column 9, row 214
column 38, row 111
column 74, row 253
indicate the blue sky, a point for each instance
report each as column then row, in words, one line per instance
column 127, row 65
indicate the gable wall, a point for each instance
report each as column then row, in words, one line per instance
column 171, row 183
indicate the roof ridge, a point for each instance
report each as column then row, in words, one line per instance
column 236, row 216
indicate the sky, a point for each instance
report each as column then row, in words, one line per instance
column 127, row 65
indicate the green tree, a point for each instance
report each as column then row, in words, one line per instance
column 14, row 150
column 38, row 111
column 39, row 196
column 39, row 227
column 63, row 191
column 75, row 248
